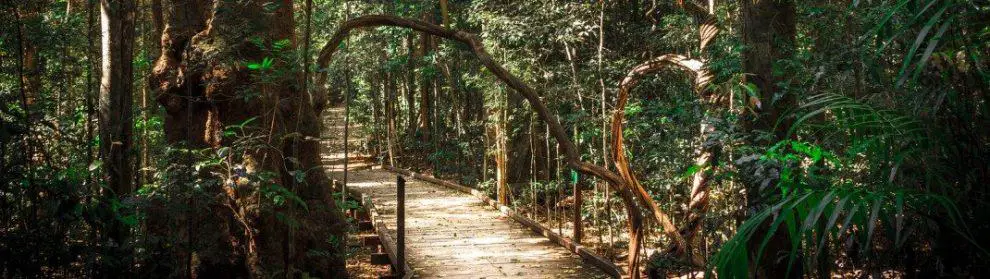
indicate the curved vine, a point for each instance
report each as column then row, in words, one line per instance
column 572, row 156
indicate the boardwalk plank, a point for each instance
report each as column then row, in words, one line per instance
column 452, row 234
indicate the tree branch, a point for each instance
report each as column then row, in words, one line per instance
column 571, row 153
column 570, row 150
column 618, row 148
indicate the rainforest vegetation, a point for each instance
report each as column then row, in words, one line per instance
column 730, row 139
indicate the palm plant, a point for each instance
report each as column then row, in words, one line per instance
column 844, row 203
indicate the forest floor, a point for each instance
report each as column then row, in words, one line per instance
column 359, row 258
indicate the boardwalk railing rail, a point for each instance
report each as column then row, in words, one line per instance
column 601, row 263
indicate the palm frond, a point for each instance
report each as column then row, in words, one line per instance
column 809, row 208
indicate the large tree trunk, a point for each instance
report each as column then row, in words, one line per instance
column 769, row 34
column 115, row 115
column 206, row 84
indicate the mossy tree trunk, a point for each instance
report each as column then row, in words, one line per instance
column 226, row 63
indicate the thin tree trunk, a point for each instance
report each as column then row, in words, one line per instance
column 412, row 116
column 347, row 115
column 425, row 82
column 91, row 58
column 574, row 74
column 390, row 104
column 501, row 145
column 22, row 81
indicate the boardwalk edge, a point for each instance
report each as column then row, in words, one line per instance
column 387, row 243
column 601, row 263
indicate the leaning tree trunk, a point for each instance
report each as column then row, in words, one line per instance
column 571, row 153
column 224, row 63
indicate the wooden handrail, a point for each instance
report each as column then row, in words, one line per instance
column 601, row 263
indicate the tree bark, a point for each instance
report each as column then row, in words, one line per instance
column 390, row 110
column 29, row 14
column 768, row 30
column 115, row 112
column 204, row 86
column 501, row 154
column 91, row 57
column 412, row 114
column 425, row 81
column 618, row 148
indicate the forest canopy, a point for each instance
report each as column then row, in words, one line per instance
column 733, row 139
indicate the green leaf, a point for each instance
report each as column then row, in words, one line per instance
column 919, row 39
column 266, row 63
column 691, row 171
column 300, row 177
column 931, row 47
column 129, row 220
column 280, row 44
column 95, row 165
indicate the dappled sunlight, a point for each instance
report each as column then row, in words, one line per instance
column 447, row 229
column 537, row 139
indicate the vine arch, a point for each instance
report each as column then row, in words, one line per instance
column 630, row 200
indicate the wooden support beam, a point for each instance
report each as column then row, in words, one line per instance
column 372, row 240
column 380, row 259
column 578, row 203
column 387, row 243
column 365, row 225
column 400, row 223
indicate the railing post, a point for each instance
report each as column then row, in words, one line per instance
column 400, row 225
column 578, row 203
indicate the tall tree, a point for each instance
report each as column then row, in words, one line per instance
column 412, row 56
column 426, row 79
column 116, row 121
column 768, row 31
column 571, row 154
column 227, row 63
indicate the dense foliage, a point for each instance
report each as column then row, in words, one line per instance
column 874, row 162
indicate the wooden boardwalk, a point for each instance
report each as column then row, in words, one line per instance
column 451, row 234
